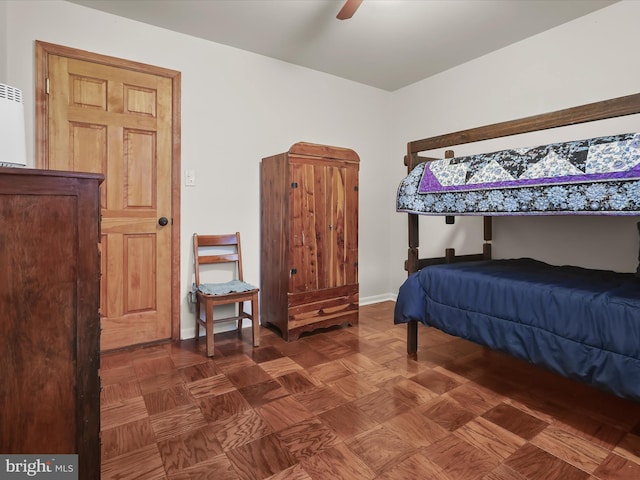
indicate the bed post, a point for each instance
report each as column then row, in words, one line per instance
column 488, row 236
column 411, row 265
column 412, row 337
column 414, row 242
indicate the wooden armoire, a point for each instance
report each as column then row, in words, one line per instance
column 49, row 315
column 309, row 238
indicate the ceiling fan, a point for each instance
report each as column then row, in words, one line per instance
column 348, row 9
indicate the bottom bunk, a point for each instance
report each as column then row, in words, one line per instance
column 580, row 323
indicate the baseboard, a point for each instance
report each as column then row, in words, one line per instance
column 386, row 297
column 188, row 332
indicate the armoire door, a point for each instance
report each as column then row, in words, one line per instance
column 118, row 122
column 324, row 225
column 307, row 206
column 342, row 206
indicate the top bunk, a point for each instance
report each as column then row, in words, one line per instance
column 591, row 176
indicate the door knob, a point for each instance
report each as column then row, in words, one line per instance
column 162, row 221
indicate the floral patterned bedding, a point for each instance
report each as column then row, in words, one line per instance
column 594, row 176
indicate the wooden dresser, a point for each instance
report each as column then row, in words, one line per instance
column 49, row 315
column 309, row 238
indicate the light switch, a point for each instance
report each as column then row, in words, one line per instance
column 190, row 178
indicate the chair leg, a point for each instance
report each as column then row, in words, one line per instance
column 240, row 320
column 197, row 319
column 255, row 321
column 209, row 327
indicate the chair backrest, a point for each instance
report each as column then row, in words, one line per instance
column 209, row 249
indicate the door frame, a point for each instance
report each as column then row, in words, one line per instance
column 43, row 50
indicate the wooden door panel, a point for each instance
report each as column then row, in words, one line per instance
column 342, row 198
column 112, row 285
column 351, row 226
column 122, row 332
column 141, row 101
column 297, row 234
column 88, row 151
column 304, row 265
column 104, row 287
column 140, row 259
column 139, row 156
column 318, row 220
column 309, row 224
column 337, row 227
column 87, row 92
column 118, row 122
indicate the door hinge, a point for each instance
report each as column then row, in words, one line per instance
column 46, row 86
column 294, row 271
column 356, row 188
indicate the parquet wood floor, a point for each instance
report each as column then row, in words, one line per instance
column 347, row 403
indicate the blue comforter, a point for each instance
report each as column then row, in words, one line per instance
column 583, row 324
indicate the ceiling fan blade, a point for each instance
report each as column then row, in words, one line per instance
column 348, row 9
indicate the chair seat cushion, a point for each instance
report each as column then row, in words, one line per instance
column 224, row 288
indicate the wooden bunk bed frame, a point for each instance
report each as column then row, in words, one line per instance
column 602, row 110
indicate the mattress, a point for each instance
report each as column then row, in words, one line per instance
column 583, row 324
column 599, row 175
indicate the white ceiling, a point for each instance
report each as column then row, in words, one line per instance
column 387, row 44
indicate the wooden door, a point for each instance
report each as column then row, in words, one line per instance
column 307, row 206
column 118, row 121
column 342, row 201
column 324, row 228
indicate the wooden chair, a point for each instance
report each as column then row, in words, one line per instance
column 218, row 250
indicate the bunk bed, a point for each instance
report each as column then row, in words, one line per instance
column 580, row 323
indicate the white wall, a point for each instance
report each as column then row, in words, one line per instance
column 237, row 107
column 586, row 60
